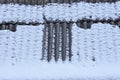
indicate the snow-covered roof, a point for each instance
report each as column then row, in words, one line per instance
column 95, row 51
column 55, row 11
column 43, row 2
column 80, row 12
column 23, row 49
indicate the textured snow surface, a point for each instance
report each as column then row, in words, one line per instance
column 23, row 48
column 96, row 51
column 21, row 13
column 101, row 43
column 68, row 12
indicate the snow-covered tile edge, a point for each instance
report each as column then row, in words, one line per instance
column 54, row 11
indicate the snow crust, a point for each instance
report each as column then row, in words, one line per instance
column 54, row 11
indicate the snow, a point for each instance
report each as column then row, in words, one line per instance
column 20, row 52
column 58, row 71
column 101, row 41
column 21, row 46
column 54, row 11
column 21, row 13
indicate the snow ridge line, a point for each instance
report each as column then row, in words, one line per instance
column 54, row 11
column 44, row 2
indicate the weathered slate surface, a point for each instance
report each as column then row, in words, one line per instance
column 57, row 31
column 57, row 42
column 43, row 2
column 44, row 48
column 11, row 27
column 84, row 23
column 50, row 41
column 64, row 41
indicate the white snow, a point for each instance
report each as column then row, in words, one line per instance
column 23, row 48
column 102, row 41
column 21, row 13
column 58, row 71
column 54, row 11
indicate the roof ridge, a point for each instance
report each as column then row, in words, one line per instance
column 43, row 2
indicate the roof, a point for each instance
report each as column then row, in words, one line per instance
column 34, row 13
column 43, row 2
